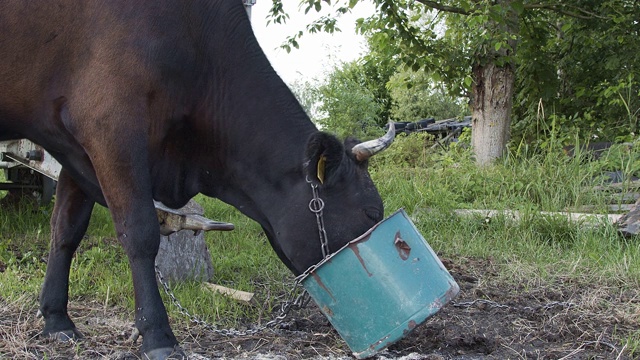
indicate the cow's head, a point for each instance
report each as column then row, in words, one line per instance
column 352, row 204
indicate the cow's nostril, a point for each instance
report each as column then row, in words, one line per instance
column 373, row 214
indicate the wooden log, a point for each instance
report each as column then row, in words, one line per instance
column 629, row 224
column 635, row 184
column 183, row 255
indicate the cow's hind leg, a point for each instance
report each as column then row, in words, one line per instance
column 69, row 223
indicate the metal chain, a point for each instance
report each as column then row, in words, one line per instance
column 494, row 304
column 297, row 300
column 316, row 205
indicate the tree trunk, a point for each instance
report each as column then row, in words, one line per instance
column 491, row 110
column 493, row 88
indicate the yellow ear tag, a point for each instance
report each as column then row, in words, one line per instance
column 321, row 163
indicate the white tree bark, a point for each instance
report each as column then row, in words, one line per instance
column 491, row 111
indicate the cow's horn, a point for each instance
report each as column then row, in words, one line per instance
column 367, row 149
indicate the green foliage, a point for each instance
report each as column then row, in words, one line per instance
column 529, row 181
column 577, row 58
column 623, row 99
column 623, row 158
column 408, row 151
column 358, row 98
column 351, row 102
column 307, row 94
column 583, row 69
column 350, row 109
column 2, row 179
column 416, row 96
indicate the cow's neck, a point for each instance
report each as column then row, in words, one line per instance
column 259, row 129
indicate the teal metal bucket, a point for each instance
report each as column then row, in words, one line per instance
column 380, row 286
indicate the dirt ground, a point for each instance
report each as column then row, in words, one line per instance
column 491, row 319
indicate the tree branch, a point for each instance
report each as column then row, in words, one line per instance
column 437, row 6
column 580, row 14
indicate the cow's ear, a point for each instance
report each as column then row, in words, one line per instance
column 324, row 155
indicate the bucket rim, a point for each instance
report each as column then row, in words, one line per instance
column 302, row 277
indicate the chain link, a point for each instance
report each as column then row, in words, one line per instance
column 297, row 299
column 316, row 205
column 494, row 304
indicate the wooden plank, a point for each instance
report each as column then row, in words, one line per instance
column 612, row 207
column 635, row 184
column 232, row 293
column 516, row 215
column 623, row 198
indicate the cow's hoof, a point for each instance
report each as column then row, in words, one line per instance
column 168, row 353
column 66, row 335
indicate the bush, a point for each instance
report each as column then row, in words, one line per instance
column 407, row 151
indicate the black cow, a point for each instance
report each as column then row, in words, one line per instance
column 157, row 99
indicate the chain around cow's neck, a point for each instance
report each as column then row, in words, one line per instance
column 316, row 205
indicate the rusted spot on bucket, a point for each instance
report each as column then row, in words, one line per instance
column 404, row 250
column 375, row 345
column 321, row 284
column 410, row 326
column 356, row 251
column 327, row 311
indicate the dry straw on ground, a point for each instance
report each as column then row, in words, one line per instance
column 493, row 318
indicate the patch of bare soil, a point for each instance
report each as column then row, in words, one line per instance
column 491, row 319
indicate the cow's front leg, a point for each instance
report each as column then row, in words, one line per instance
column 69, row 222
column 127, row 191
column 141, row 240
column 113, row 127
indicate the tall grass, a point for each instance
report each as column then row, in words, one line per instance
column 431, row 187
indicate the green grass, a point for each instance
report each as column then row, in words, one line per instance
column 536, row 250
column 242, row 259
column 532, row 184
